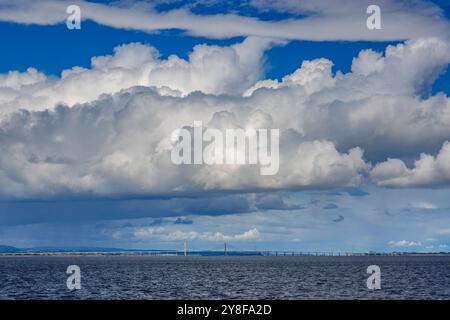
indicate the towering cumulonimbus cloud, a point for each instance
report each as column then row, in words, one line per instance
column 209, row 69
column 105, row 131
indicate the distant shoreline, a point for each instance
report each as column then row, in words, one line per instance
column 208, row 254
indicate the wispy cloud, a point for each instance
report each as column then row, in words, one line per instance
column 424, row 205
column 428, row 171
column 441, row 246
column 323, row 20
column 339, row 219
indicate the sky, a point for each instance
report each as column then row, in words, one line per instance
column 86, row 117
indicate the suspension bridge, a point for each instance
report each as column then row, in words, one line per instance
column 230, row 250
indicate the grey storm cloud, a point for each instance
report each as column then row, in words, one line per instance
column 339, row 219
column 164, row 210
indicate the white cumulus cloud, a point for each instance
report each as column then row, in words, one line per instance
column 112, row 135
column 179, row 235
column 404, row 243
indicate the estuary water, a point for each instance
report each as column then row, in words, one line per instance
column 178, row 277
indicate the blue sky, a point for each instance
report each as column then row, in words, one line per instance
column 75, row 141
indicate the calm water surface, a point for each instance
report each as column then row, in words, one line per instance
column 145, row 277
